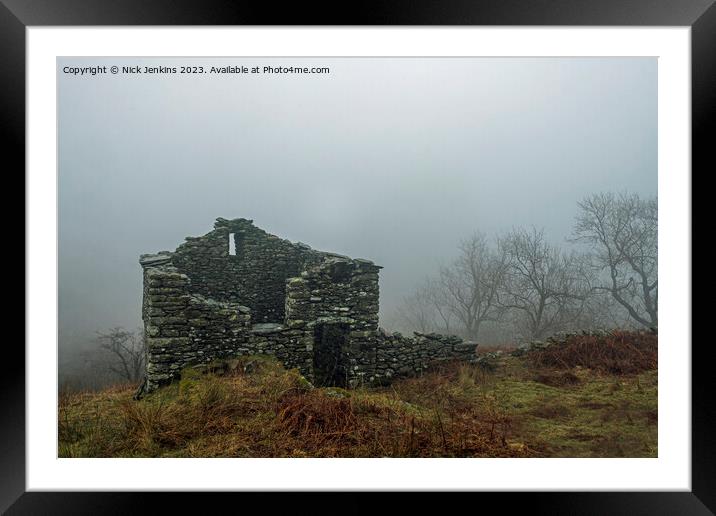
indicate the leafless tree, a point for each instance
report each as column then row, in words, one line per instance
column 126, row 352
column 548, row 288
column 425, row 310
column 468, row 287
column 623, row 231
column 416, row 312
column 438, row 298
column 462, row 296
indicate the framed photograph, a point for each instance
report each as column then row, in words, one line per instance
column 408, row 249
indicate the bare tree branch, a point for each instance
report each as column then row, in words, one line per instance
column 549, row 288
column 623, row 232
column 126, row 352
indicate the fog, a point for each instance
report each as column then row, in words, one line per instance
column 394, row 160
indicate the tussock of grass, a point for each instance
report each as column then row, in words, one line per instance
column 256, row 408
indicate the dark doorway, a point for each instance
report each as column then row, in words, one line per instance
column 329, row 369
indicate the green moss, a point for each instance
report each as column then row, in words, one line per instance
column 188, row 380
column 337, row 392
column 304, row 384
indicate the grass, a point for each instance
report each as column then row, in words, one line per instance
column 521, row 409
column 600, row 416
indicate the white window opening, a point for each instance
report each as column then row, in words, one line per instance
column 232, row 244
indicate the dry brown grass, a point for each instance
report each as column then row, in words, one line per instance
column 618, row 353
column 275, row 413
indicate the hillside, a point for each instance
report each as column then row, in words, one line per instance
column 587, row 397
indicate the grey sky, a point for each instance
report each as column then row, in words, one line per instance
column 394, row 160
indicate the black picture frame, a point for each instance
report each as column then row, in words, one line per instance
column 700, row 15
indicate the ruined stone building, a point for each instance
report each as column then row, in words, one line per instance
column 239, row 290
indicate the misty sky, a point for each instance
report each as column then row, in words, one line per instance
column 390, row 159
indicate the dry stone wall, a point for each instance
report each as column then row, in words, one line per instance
column 182, row 328
column 398, row 356
column 313, row 310
column 255, row 276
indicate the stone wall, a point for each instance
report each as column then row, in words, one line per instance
column 254, row 277
column 338, row 296
column 183, row 328
column 338, row 288
column 313, row 310
column 403, row 356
